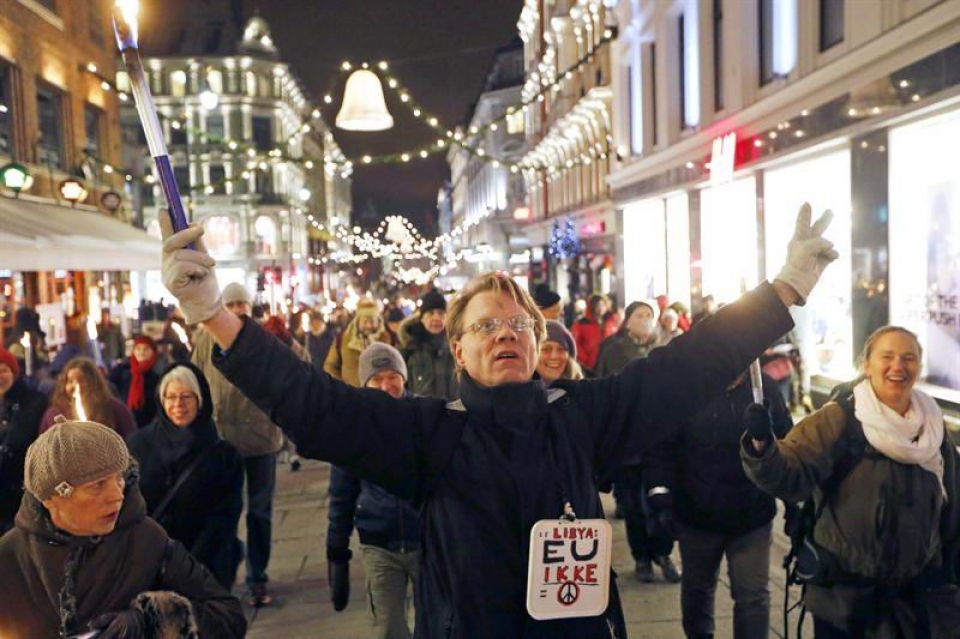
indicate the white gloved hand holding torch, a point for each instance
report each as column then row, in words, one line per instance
column 808, row 253
column 188, row 273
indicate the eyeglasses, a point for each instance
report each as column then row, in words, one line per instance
column 489, row 326
column 185, row 398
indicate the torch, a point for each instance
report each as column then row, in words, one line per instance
column 78, row 404
column 27, row 353
column 126, row 29
column 756, row 381
column 181, row 335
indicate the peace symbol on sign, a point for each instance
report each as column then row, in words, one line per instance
column 568, row 593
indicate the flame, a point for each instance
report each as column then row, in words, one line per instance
column 305, row 322
column 182, row 334
column 91, row 328
column 25, row 340
column 78, row 404
column 125, row 22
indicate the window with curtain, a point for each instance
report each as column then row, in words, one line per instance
column 93, row 129
column 7, row 110
column 831, row 23
column 50, row 120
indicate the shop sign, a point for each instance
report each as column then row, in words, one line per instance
column 594, row 227
column 723, row 159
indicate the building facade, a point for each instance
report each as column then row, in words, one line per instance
column 258, row 167
column 485, row 195
column 737, row 112
column 568, row 98
column 59, row 121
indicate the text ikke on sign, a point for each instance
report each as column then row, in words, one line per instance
column 569, row 572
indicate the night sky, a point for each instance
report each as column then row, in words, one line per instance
column 438, row 49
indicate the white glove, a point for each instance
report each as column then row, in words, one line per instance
column 188, row 273
column 807, row 254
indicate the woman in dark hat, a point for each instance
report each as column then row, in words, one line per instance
column 136, row 380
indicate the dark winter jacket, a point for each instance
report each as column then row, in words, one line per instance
column 204, row 514
column 620, row 349
column 430, row 365
column 484, row 469
column 121, row 377
column 20, row 413
column 698, row 461
column 381, row 519
column 318, row 346
column 52, row 581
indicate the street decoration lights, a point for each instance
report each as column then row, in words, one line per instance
column 209, row 100
column 15, row 177
column 364, row 108
column 73, row 191
column 126, row 28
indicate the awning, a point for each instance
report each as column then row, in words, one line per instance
column 42, row 236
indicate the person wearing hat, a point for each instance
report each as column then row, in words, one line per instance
column 21, row 409
column 367, row 327
column 558, row 355
column 387, row 526
column 191, row 478
column 136, row 379
column 636, row 337
column 669, row 325
column 84, row 555
column 258, row 440
column 549, row 302
column 423, row 342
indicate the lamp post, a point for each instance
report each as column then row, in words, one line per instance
column 15, row 177
column 73, row 191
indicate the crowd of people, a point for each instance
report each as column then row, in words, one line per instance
column 126, row 464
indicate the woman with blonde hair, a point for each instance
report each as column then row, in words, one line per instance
column 98, row 402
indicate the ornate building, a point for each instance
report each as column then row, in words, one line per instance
column 248, row 149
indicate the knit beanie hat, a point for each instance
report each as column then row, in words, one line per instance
column 236, row 293
column 380, row 357
column 71, row 454
column 395, row 315
column 433, row 301
column 146, row 340
column 367, row 308
column 6, row 357
column 557, row 332
column 544, row 297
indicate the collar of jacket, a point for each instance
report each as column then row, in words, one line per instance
column 34, row 518
column 516, row 406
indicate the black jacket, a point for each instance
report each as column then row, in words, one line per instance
column 484, row 469
column 698, row 460
column 121, row 377
column 20, row 417
column 381, row 519
column 204, row 514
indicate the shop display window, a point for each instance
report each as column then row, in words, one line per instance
column 728, row 238
column 824, row 326
column 678, row 248
column 644, row 255
column 221, row 234
column 925, row 244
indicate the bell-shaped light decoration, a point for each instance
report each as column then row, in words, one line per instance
column 364, row 108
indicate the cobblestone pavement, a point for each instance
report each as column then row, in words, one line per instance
column 302, row 608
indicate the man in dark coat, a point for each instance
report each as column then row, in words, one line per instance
column 21, row 409
column 84, row 555
column 204, row 512
column 509, row 453
column 693, row 470
column 423, row 342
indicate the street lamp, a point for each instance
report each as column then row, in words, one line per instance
column 304, row 194
column 73, row 191
column 15, row 177
column 209, row 100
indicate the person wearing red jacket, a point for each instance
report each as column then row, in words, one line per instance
column 597, row 324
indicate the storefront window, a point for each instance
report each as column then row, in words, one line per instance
column 824, row 326
column 266, row 232
column 678, row 249
column 728, row 231
column 925, row 243
column 645, row 259
column 221, row 234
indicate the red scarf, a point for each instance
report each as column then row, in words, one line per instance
column 137, row 394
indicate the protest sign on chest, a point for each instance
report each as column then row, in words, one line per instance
column 569, row 569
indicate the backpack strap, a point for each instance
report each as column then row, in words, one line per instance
column 854, row 444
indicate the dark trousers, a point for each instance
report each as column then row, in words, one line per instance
column 748, row 566
column 646, row 541
column 823, row 630
column 261, row 482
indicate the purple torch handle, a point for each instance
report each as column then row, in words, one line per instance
column 125, row 28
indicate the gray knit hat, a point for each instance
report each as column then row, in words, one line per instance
column 72, row 454
column 557, row 332
column 380, row 357
column 234, row 292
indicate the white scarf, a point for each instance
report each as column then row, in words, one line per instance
column 914, row 438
